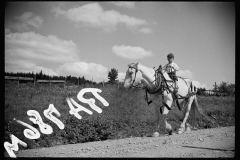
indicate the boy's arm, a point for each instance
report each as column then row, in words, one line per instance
column 176, row 67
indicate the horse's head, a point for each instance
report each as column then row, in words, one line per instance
column 133, row 76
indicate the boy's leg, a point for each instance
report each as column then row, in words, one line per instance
column 176, row 86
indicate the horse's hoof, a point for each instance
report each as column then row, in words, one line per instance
column 188, row 129
column 180, row 131
column 170, row 132
column 194, row 128
column 155, row 134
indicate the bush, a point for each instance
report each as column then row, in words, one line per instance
column 87, row 130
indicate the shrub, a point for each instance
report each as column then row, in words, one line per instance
column 87, row 130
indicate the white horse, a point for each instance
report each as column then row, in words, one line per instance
column 161, row 86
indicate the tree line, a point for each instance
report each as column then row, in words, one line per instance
column 223, row 87
column 112, row 76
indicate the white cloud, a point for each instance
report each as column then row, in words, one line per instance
column 130, row 52
column 185, row 74
column 93, row 15
column 40, row 50
column 30, row 19
column 199, row 85
column 46, row 71
column 25, row 22
column 16, row 65
column 124, row 4
column 88, row 70
column 190, row 75
column 145, row 30
column 121, row 76
column 29, row 51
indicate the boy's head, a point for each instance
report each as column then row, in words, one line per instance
column 170, row 57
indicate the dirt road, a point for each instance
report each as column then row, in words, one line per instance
column 217, row 142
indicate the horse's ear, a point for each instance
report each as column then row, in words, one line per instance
column 130, row 64
column 136, row 64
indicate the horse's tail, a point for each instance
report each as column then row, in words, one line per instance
column 197, row 109
column 195, row 106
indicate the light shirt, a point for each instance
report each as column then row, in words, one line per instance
column 171, row 67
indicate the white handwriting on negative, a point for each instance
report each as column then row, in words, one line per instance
column 14, row 146
column 44, row 128
column 48, row 114
column 33, row 133
column 91, row 101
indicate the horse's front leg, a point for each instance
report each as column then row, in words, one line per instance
column 167, row 98
column 186, row 114
column 167, row 126
column 157, row 126
column 156, row 103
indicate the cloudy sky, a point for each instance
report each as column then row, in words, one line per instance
column 89, row 38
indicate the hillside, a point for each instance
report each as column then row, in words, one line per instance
column 126, row 116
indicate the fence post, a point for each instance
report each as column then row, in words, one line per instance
column 34, row 80
column 65, row 83
column 49, row 81
column 78, row 81
column 18, row 82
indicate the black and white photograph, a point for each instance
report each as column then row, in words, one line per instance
column 119, row 79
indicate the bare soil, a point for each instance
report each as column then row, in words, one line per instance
column 215, row 142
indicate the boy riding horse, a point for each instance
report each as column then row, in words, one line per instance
column 171, row 69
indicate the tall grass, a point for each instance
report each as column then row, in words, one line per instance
column 127, row 114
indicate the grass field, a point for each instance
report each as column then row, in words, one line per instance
column 127, row 114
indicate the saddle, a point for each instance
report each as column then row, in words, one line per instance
column 158, row 87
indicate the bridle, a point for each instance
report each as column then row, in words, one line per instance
column 136, row 70
column 147, row 89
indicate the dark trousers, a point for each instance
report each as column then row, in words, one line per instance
column 173, row 76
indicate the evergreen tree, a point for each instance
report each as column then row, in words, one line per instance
column 112, row 75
